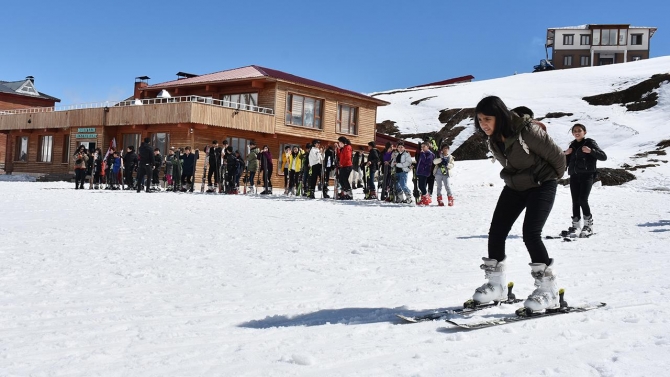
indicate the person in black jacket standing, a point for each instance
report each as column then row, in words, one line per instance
column 129, row 165
column 146, row 165
column 158, row 162
column 374, row 159
column 214, row 162
column 188, row 167
column 581, row 158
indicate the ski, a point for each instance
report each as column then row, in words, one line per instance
column 444, row 314
column 525, row 316
column 469, row 306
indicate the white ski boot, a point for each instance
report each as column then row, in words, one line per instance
column 545, row 296
column 576, row 225
column 496, row 288
column 587, row 230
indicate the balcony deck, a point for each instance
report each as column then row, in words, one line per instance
column 176, row 110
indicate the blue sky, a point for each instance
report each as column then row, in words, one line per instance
column 89, row 51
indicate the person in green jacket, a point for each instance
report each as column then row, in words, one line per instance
column 532, row 163
column 252, row 163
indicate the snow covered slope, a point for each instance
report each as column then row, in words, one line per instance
column 622, row 134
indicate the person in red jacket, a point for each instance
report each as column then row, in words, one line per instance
column 344, row 165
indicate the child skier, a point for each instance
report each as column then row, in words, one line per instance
column 442, row 172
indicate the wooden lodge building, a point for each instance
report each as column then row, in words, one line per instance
column 240, row 105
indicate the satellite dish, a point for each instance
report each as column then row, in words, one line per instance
column 163, row 94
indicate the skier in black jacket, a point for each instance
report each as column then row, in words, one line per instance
column 158, row 162
column 146, row 164
column 129, row 166
column 581, row 158
column 187, row 168
column 374, row 158
column 213, row 166
column 231, row 170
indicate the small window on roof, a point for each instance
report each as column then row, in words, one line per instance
column 28, row 88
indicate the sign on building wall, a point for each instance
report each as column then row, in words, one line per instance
column 86, row 133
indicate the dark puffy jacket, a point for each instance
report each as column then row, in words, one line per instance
column 130, row 161
column 158, row 161
column 425, row 164
column 579, row 162
column 188, row 163
column 530, row 157
column 265, row 157
column 215, row 156
column 231, row 163
column 146, row 154
column 373, row 159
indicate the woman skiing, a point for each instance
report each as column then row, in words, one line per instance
column 532, row 163
column 581, row 158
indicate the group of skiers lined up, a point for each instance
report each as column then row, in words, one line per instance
column 385, row 171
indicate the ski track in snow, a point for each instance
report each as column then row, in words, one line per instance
column 118, row 283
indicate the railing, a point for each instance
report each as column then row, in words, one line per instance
column 140, row 102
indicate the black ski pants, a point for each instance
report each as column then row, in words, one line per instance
column 422, row 184
column 343, row 178
column 144, row 170
column 580, row 189
column 79, row 178
column 537, row 202
column 129, row 177
column 314, row 175
column 212, row 170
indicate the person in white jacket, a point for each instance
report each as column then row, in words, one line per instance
column 315, row 165
column 442, row 172
column 402, row 162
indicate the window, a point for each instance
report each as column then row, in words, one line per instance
column 596, row 37
column 568, row 39
column 303, row 111
column 66, row 149
column 567, row 61
column 585, row 39
column 161, row 140
column 239, row 144
column 28, row 88
column 347, row 119
column 622, row 37
column 45, row 148
column 245, row 101
column 21, row 151
column 609, row 37
column 585, row 61
column 131, row 140
column 636, row 39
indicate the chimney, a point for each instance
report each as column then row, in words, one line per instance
column 31, row 78
column 140, row 82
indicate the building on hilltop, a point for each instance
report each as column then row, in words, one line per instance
column 17, row 95
column 267, row 106
column 592, row 45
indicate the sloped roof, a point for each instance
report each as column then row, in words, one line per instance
column 252, row 72
column 454, row 80
column 11, row 87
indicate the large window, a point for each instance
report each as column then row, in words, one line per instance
column 245, row 101
column 568, row 39
column 161, row 140
column 347, row 119
column 45, row 148
column 585, row 39
column 596, row 37
column 567, row 61
column 280, row 157
column 303, row 111
column 239, row 144
column 131, row 140
column 585, row 61
column 21, row 151
column 65, row 158
column 609, row 37
column 623, row 34
column 636, row 39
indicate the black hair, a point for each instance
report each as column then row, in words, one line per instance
column 583, row 127
column 344, row 140
column 225, row 142
column 308, row 146
column 523, row 110
column 132, row 148
column 147, row 140
column 215, row 142
column 494, row 106
column 400, row 143
column 372, row 144
column 229, row 149
column 156, row 150
column 287, row 147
